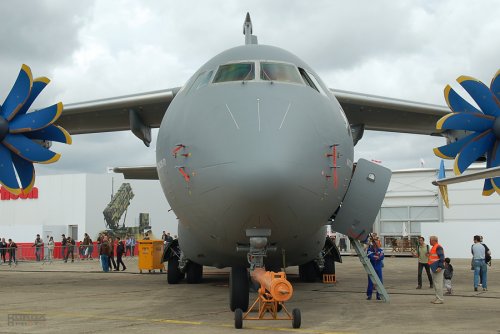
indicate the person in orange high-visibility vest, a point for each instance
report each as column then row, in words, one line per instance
column 436, row 263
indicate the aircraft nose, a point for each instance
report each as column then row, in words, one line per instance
column 260, row 182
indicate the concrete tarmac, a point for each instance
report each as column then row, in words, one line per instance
column 79, row 298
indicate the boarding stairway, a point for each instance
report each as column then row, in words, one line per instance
column 365, row 261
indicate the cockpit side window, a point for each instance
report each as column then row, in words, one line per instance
column 202, row 80
column 235, row 72
column 311, row 81
column 279, row 72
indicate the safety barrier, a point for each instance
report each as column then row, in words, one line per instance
column 28, row 252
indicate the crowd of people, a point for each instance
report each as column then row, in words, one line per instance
column 438, row 268
column 8, row 248
column 69, row 247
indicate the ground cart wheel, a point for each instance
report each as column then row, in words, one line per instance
column 296, row 318
column 238, row 318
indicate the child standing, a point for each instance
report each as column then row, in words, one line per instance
column 448, row 274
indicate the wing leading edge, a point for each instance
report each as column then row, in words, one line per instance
column 138, row 112
column 387, row 114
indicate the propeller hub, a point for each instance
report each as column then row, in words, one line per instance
column 496, row 128
column 4, row 128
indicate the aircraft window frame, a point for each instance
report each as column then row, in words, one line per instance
column 289, row 69
column 223, row 69
column 202, row 80
column 311, row 81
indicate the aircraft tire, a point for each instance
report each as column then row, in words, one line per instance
column 238, row 318
column 308, row 272
column 174, row 275
column 238, row 288
column 194, row 273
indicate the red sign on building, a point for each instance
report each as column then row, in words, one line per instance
column 7, row 196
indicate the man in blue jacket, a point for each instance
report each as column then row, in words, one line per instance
column 376, row 256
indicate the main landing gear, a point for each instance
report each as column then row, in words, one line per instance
column 179, row 267
column 324, row 264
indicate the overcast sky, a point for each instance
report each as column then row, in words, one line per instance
column 97, row 49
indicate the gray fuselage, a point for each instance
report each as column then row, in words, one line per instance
column 254, row 153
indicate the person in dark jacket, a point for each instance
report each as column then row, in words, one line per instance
column 448, row 275
column 120, row 250
column 3, row 249
column 38, row 244
column 70, row 245
column 11, row 248
column 64, row 241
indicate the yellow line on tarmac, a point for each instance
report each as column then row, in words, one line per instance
column 179, row 322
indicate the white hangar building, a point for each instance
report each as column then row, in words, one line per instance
column 73, row 204
column 413, row 207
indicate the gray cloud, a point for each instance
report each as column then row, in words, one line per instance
column 91, row 50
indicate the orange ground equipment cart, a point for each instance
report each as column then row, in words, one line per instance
column 150, row 255
column 274, row 291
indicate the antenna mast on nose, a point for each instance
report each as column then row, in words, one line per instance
column 247, row 31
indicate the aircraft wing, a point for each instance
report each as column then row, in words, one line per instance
column 387, row 114
column 374, row 112
column 114, row 114
column 138, row 173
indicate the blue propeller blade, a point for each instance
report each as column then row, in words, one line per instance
column 473, row 150
column 466, row 121
column 29, row 150
column 495, row 85
column 25, row 171
column 450, row 151
column 52, row 133
column 36, row 120
column 488, row 188
column 457, row 103
column 7, row 174
column 38, row 85
column 18, row 94
column 481, row 94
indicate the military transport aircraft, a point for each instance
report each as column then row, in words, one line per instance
column 255, row 156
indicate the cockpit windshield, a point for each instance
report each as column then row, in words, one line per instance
column 279, row 72
column 235, row 72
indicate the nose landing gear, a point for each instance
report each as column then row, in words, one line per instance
column 274, row 289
